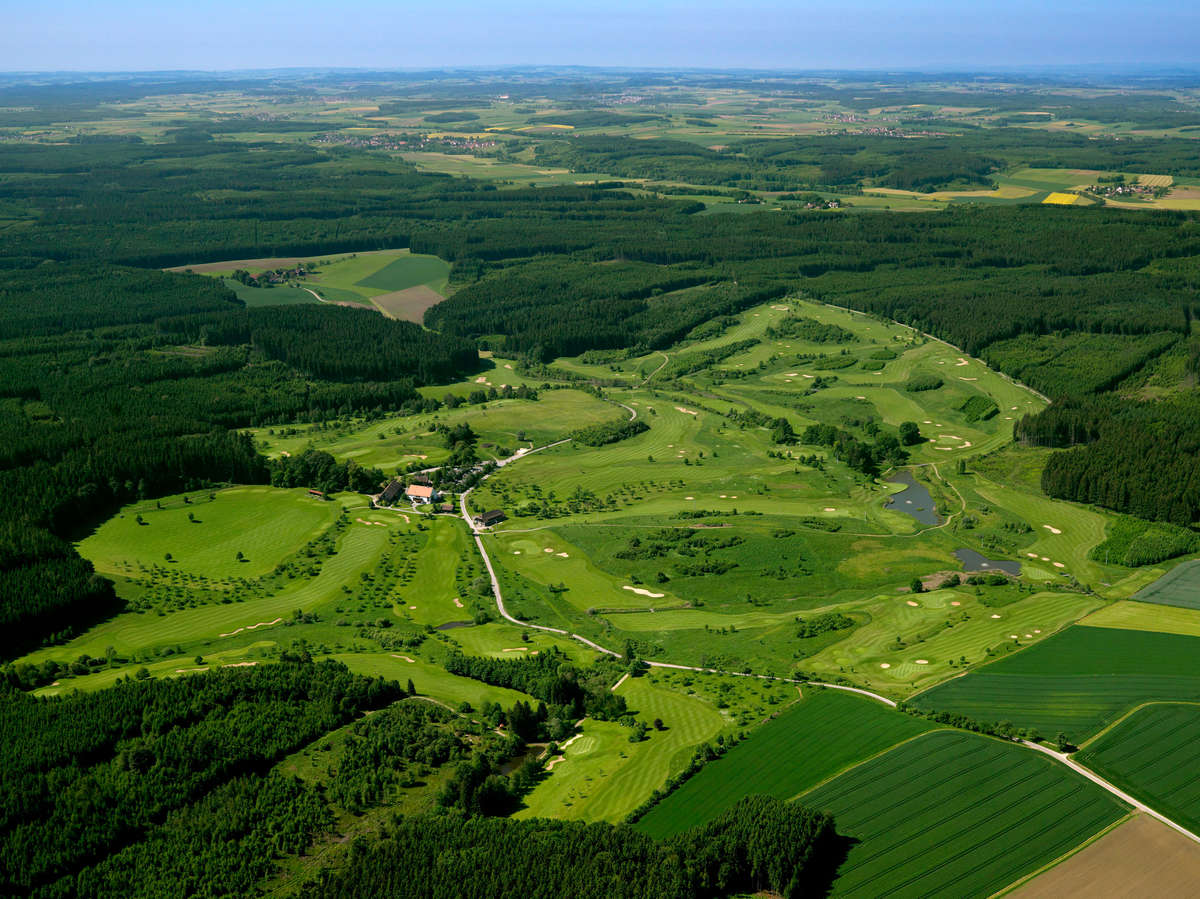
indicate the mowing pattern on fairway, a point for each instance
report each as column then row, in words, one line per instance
column 1076, row 682
column 954, row 814
column 1178, row 587
column 814, row 739
column 1154, row 754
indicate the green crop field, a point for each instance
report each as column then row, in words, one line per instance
column 410, row 270
column 1178, row 587
column 1154, row 755
column 1076, row 682
column 817, row 737
column 958, row 815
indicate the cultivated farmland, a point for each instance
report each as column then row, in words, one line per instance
column 957, row 814
column 1154, row 755
column 1076, row 682
column 1178, row 587
column 817, row 737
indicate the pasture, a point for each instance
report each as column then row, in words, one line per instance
column 1154, row 755
column 957, row 814
column 815, row 738
column 1076, row 682
column 1178, row 587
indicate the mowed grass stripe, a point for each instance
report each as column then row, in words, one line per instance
column 1154, row 754
column 807, row 743
column 1076, row 682
column 957, row 814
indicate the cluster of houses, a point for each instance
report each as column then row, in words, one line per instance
column 421, row 492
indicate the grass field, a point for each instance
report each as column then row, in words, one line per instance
column 1154, row 755
column 812, row 740
column 1178, row 587
column 957, row 814
column 1140, row 616
column 1077, row 682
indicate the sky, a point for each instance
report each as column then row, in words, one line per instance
column 139, row 35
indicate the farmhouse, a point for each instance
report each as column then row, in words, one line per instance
column 421, row 494
column 390, row 492
column 487, row 519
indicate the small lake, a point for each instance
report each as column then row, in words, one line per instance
column 914, row 500
column 973, row 561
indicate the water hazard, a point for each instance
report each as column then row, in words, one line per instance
column 973, row 561
column 914, row 500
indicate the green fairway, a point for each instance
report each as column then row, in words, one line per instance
column 954, row 814
column 817, row 737
column 430, row 679
column 1178, row 587
column 1154, row 755
column 203, row 537
column 1076, row 682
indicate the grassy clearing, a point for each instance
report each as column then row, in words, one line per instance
column 1076, row 682
column 957, row 814
column 1154, row 755
column 429, row 678
column 1178, row 587
column 812, row 740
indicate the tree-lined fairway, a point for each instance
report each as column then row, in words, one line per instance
column 958, row 815
column 203, row 537
column 815, row 738
column 1076, row 682
column 1154, row 755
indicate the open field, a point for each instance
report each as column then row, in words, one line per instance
column 1140, row 857
column 1154, row 755
column 1178, row 587
column 957, row 814
column 1146, row 617
column 1076, row 682
column 824, row 733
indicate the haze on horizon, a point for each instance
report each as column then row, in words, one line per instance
column 138, row 35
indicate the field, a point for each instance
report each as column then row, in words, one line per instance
column 1076, row 683
column 1061, row 199
column 1178, row 587
column 814, row 739
column 1140, row 616
column 1140, row 857
column 1154, row 755
column 957, row 814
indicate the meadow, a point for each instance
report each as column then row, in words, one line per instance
column 957, row 814
column 1076, row 682
column 816, row 737
column 1153, row 755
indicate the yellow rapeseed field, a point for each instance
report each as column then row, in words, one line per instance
column 1061, row 199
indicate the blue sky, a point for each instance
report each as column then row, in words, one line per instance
column 41, row 35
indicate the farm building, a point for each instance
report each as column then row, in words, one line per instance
column 390, row 493
column 421, row 494
column 487, row 519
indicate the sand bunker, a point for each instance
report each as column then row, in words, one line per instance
column 1059, row 565
column 793, row 374
column 968, row 379
column 251, row 627
column 643, row 592
column 689, row 497
column 830, row 509
column 911, row 603
column 921, row 661
column 548, row 549
column 412, row 608
column 562, row 555
column 285, row 453
column 884, row 665
column 810, row 376
column 516, row 552
column 458, row 602
column 1052, row 530
column 1045, row 558
column 1029, row 636
column 780, row 308
column 860, row 397
column 927, row 422
column 517, row 649
column 1012, row 637
column 1036, row 631
column 508, row 366
column 723, row 496
column 396, row 655
column 961, row 362
column 188, row 670
column 556, row 761
column 1031, row 555
column 687, row 411
column 241, row 665
column 995, row 616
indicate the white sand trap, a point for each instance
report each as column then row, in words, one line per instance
column 1013, row 637
column 793, row 374
column 251, row 627
column 860, row 397
column 570, row 741
column 921, row 661
column 912, row 603
column 941, row 362
column 955, row 602
column 1014, row 409
column 733, row 497
column 689, row 497
column 517, row 649
column 1029, row 636
column 995, row 616
column 188, row 670
column 723, row 496
column 562, row 555
column 548, row 549
column 830, row 509
column 1052, row 530
column 241, row 665
column 946, row 449
column 949, row 437
column 780, row 308
column 961, row 362
column 927, row 422
column 810, row 376
column 360, row 521
column 1059, row 565
column 643, row 592
column 406, row 658
column 968, row 379
column 516, row 552
column 412, row 608
column 1036, row 631
column 458, row 602
column 884, row 665
column 1008, row 418
column 380, row 523
column 788, row 380
column 285, row 453
column 481, row 380
column 557, row 761
column 687, row 411
column 1031, row 555
column 1045, row 558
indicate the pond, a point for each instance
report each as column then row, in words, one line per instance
column 973, row 561
column 914, row 500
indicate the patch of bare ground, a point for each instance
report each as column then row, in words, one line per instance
column 1142, row 857
column 409, row 304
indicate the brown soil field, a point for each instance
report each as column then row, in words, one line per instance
column 409, row 304
column 1142, row 857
